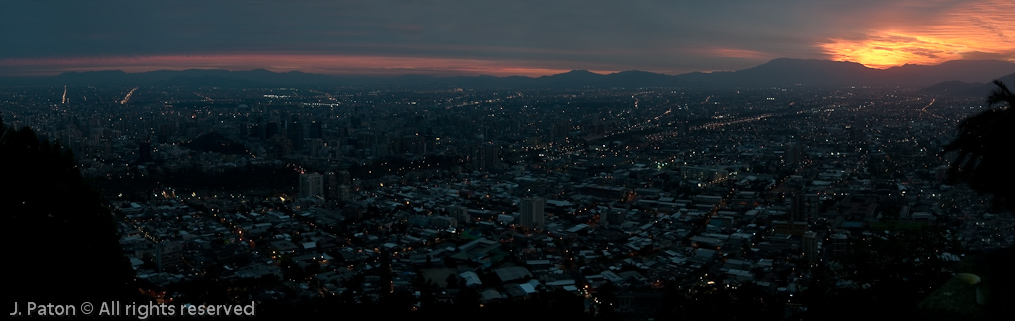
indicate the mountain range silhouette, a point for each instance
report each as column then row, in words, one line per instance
column 777, row 72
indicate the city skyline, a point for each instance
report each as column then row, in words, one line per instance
column 518, row 38
column 626, row 202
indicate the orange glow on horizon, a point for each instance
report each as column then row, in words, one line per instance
column 285, row 62
column 982, row 31
column 890, row 49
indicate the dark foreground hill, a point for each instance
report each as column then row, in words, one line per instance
column 61, row 242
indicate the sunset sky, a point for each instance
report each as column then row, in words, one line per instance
column 469, row 37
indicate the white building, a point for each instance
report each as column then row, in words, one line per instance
column 311, row 185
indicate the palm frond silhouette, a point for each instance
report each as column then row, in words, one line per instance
column 985, row 149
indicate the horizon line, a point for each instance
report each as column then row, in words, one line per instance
column 365, row 72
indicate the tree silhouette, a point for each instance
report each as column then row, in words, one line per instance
column 984, row 163
column 984, row 144
column 452, row 281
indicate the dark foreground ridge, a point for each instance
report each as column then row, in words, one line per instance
column 62, row 241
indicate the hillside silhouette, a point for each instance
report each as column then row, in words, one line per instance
column 63, row 244
column 215, row 142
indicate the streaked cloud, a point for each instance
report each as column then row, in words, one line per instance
column 278, row 62
column 734, row 53
column 964, row 30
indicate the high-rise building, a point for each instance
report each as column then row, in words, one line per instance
column 344, row 193
column 344, row 178
column 270, row 129
column 795, row 154
column 533, row 214
column 296, row 134
column 810, row 246
column 316, row 130
column 485, row 157
column 840, row 244
column 144, row 152
column 461, row 213
column 168, row 255
column 331, row 185
column 604, row 218
column 798, row 210
column 311, row 185
column 612, row 217
column 803, row 207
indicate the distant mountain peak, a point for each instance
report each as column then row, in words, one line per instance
column 636, row 72
column 784, row 60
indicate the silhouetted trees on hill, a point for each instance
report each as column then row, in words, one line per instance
column 984, row 148
column 62, row 242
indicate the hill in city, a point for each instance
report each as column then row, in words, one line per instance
column 215, row 142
